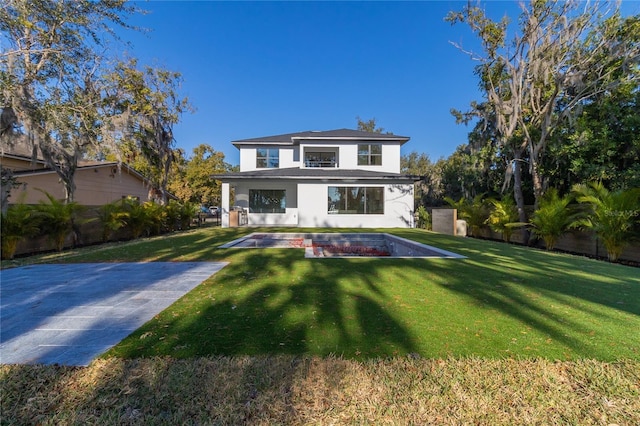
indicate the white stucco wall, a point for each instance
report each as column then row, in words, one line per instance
column 290, row 156
column 313, row 202
column 289, row 218
column 390, row 158
column 307, row 206
column 286, row 157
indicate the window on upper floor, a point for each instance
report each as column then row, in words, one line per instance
column 267, row 158
column 320, row 159
column 356, row 200
column 370, row 154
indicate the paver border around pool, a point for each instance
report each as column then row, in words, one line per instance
column 70, row 313
column 405, row 248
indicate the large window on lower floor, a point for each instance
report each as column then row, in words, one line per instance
column 267, row 201
column 356, row 200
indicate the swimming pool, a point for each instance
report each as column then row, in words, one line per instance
column 337, row 245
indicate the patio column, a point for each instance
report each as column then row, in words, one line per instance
column 225, row 205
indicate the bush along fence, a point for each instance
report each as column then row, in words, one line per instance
column 584, row 243
column 54, row 225
column 591, row 220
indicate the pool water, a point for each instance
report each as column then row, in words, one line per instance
column 322, row 245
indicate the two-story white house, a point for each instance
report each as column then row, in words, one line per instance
column 336, row 178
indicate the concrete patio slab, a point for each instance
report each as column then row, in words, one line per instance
column 70, row 313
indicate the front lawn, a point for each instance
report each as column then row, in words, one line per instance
column 502, row 301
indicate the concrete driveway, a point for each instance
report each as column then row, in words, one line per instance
column 69, row 314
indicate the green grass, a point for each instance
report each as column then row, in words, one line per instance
column 502, row 301
column 481, row 336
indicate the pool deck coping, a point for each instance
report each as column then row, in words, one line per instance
column 309, row 253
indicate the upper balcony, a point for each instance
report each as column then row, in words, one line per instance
column 321, row 158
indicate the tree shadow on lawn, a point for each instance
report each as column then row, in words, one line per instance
column 520, row 301
column 273, row 301
column 584, row 308
column 613, row 285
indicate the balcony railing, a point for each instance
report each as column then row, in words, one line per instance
column 321, row 163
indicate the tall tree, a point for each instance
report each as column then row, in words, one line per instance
column 602, row 144
column 368, row 125
column 51, row 45
column 146, row 105
column 563, row 54
column 468, row 173
column 71, row 126
column 195, row 183
column 428, row 189
column 483, row 165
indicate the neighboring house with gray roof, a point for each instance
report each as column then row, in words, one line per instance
column 336, row 178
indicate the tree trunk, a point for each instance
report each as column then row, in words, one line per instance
column 7, row 183
column 538, row 190
column 518, row 195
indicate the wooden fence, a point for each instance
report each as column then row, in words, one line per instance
column 577, row 242
column 90, row 233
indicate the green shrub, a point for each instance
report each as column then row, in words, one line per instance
column 20, row 221
column 503, row 217
column 59, row 219
column 135, row 216
column 424, row 218
column 172, row 217
column 553, row 218
column 187, row 212
column 156, row 217
column 112, row 217
column 474, row 212
column 611, row 215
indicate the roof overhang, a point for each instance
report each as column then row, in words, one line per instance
column 317, row 175
column 101, row 165
column 339, row 135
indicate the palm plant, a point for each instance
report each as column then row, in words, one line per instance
column 112, row 218
column 503, row 217
column 553, row 217
column 187, row 212
column 611, row 215
column 59, row 219
column 135, row 216
column 178, row 215
column 156, row 217
column 474, row 212
column 172, row 215
column 18, row 222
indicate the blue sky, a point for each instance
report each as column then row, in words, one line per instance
column 255, row 69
